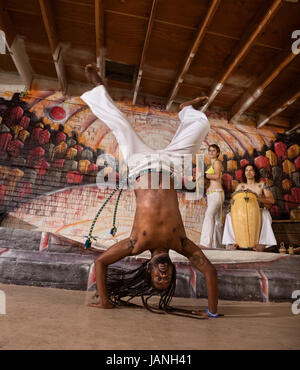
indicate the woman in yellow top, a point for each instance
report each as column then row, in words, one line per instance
column 211, row 235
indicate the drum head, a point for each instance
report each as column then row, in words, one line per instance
column 243, row 191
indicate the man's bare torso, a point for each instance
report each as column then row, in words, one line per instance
column 157, row 222
column 257, row 187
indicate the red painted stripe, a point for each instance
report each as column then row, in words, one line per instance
column 92, row 276
column 193, row 279
column 3, row 250
column 44, row 241
column 264, row 286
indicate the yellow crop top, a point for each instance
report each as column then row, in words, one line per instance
column 210, row 171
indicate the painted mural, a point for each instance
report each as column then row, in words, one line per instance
column 49, row 159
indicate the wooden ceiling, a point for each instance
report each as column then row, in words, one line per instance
column 237, row 52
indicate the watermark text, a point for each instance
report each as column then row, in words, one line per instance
column 296, row 303
column 2, row 303
column 296, row 44
column 180, row 172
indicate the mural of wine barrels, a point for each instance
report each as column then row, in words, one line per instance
column 50, row 144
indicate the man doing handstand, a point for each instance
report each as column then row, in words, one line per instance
column 158, row 226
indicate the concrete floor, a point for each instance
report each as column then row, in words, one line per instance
column 46, row 318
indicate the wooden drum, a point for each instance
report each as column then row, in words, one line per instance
column 246, row 218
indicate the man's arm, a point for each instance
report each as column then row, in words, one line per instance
column 240, row 186
column 191, row 251
column 267, row 199
column 112, row 255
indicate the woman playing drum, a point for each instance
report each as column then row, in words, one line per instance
column 265, row 198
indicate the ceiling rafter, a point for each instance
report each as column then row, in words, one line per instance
column 242, row 48
column 99, row 29
column 193, row 50
column 191, row 28
column 258, row 86
column 69, row 19
column 107, row 11
column 55, row 46
column 293, row 128
column 6, row 24
column 279, row 105
column 16, row 47
column 145, row 48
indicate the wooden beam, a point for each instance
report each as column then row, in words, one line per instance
column 6, row 24
column 145, row 48
column 78, row 21
column 55, row 46
column 15, row 46
column 183, row 26
column 193, row 50
column 21, row 60
column 49, row 24
column 288, row 98
column 242, row 49
column 217, row 34
column 259, row 85
column 99, row 29
column 294, row 128
column 280, row 121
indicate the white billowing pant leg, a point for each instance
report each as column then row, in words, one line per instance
column 218, row 232
column 193, row 128
column 266, row 235
column 228, row 234
column 104, row 108
column 212, row 221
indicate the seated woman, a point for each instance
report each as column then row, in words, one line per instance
column 265, row 198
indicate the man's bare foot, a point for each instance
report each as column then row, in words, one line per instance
column 259, row 248
column 92, row 75
column 196, row 103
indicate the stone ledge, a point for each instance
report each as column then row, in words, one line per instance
column 44, row 259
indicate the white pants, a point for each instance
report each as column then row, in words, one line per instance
column 193, row 128
column 267, row 236
column 211, row 234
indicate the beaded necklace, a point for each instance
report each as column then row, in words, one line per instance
column 113, row 231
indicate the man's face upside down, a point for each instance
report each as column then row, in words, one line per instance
column 161, row 271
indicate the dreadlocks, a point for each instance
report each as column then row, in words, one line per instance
column 122, row 283
column 136, row 282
